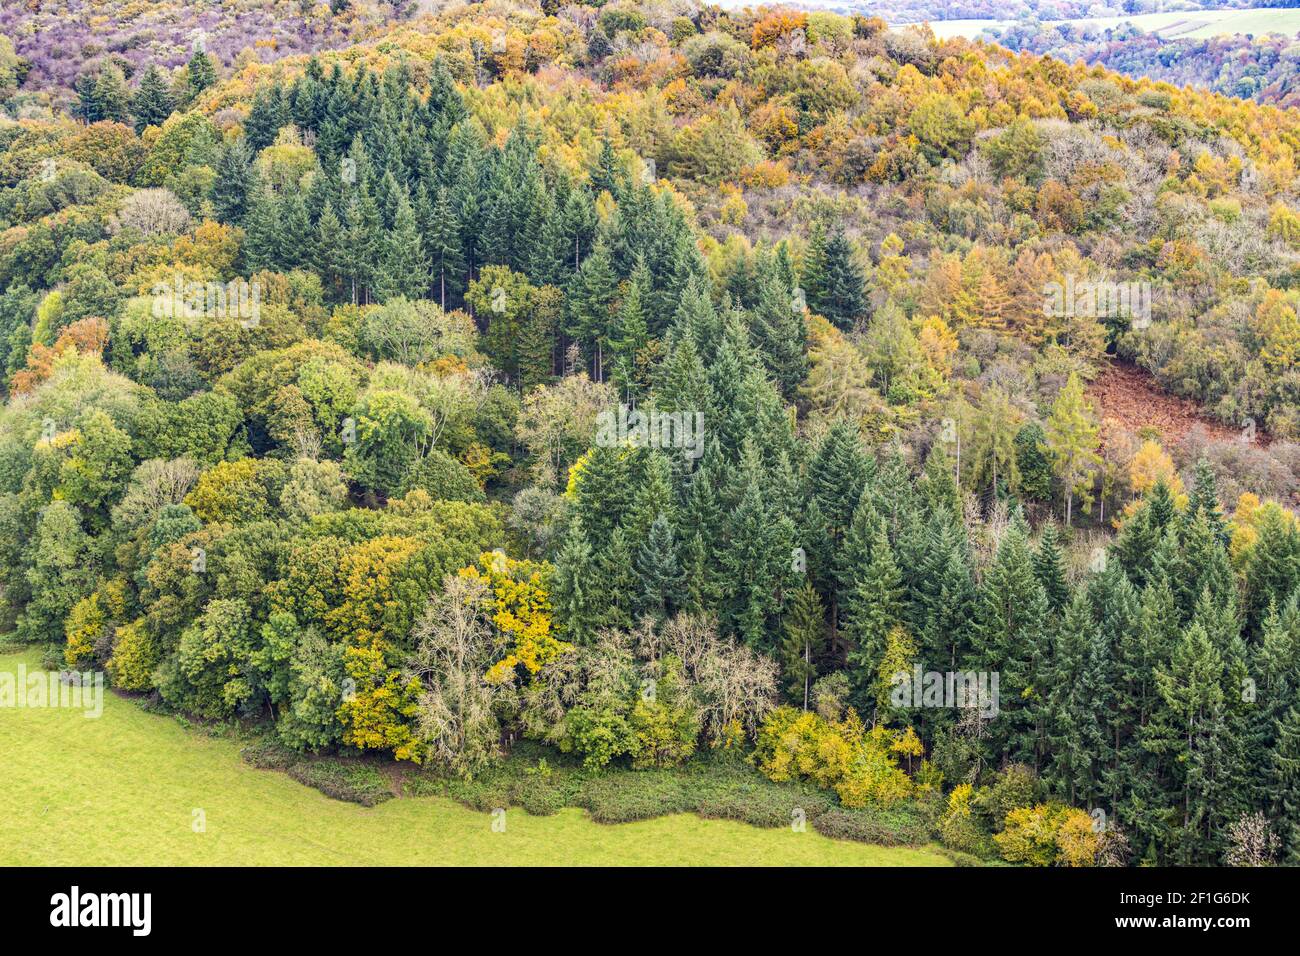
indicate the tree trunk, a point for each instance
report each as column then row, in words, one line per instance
column 805, row 676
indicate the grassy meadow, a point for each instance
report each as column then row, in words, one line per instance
column 123, row 790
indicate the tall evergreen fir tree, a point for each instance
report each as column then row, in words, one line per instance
column 230, row 190
column 261, row 247
column 1011, row 637
column 1187, row 728
column 601, row 491
column 660, row 571
column 152, row 102
column 606, row 176
column 949, row 599
column 329, row 253
column 361, row 241
column 572, row 586
column 629, row 336
column 592, row 297
column 654, row 497
column 1076, row 704
column 617, row 582
column 442, row 242
column 834, row 284
column 749, row 564
column 697, row 319
column 103, row 97
column 813, row 274
column 873, row 607
column 781, row 335
column 538, row 338
column 267, row 115
column 1049, row 568
column 1204, row 500
column 803, row 641
column 1284, row 766
column 201, row 73
column 295, row 234
column 836, row 476
column 403, row 266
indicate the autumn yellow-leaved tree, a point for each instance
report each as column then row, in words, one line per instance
column 520, row 609
column 1072, row 441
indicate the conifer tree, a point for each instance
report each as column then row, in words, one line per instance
column 629, row 335
column 1011, row 637
column 1050, row 569
column 591, row 302
column 948, row 604
column 1284, row 766
column 606, row 176
column 1076, row 701
column 601, row 491
column 201, row 74
column 938, row 484
column 152, row 102
column 266, row 117
column 703, row 588
column 1272, row 569
column 749, row 564
column 1141, row 534
column 813, row 275
column 1188, row 728
column 403, row 267
column 230, row 190
column 803, row 642
column 361, row 240
column 537, row 340
column 856, row 542
column 1204, row 500
column 328, row 250
column 681, row 383
column 653, row 498
column 442, row 242
column 661, row 574
column 781, row 334
column 836, row 476
column 104, row 97
column 1033, row 463
column 618, row 583
column 992, row 461
column 295, row 234
column 572, row 596
column 261, row 247
column 841, row 286
column 873, row 607
column 696, row 318
column 1197, row 560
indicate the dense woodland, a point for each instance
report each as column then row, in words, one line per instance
column 1262, row 68
column 373, row 507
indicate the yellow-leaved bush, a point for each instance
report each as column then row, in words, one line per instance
column 1049, row 834
column 858, row 764
column 135, row 655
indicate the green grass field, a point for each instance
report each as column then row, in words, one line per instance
column 123, row 789
column 1197, row 25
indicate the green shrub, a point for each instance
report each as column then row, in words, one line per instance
column 892, row 827
column 443, row 477
column 346, row 779
column 633, row 795
column 353, row 782
column 269, row 755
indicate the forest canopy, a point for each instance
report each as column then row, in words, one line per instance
column 652, row 381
